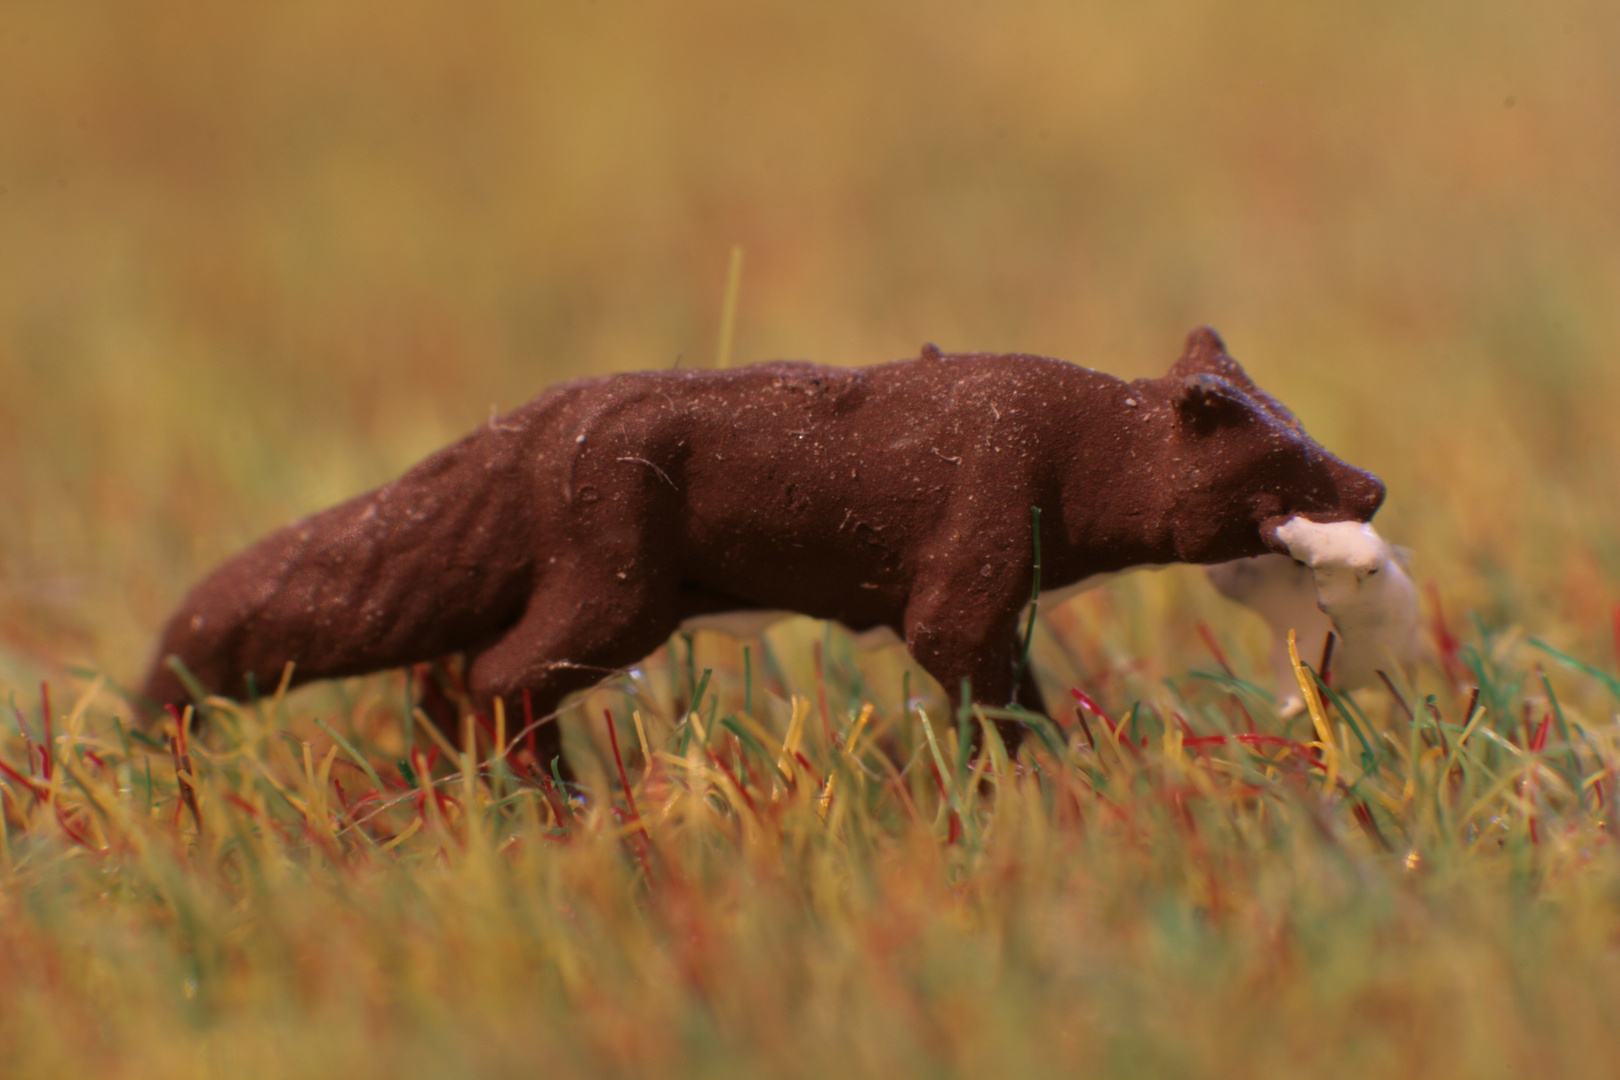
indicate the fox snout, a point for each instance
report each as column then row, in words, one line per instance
column 1360, row 494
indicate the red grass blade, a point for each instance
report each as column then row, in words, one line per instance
column 1444, row 640
column 1539, row 739
column 1214, row 648
column 242, row 804
column 28, row 783
column 747, row 798
column 624, row 778
column 1113, row 728
column 1246, row 739
column 1081, row 696
column 50, row 743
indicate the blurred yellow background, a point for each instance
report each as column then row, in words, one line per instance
column 257, row 257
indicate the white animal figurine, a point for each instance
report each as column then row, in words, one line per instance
column 1342, row 577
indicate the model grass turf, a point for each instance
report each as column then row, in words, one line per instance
column 1167, row 890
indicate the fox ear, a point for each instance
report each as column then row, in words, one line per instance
column 1208, row 401
column 1205, row 352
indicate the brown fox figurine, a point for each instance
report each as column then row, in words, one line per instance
column 573, row 536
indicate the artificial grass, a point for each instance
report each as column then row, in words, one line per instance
column 1169, row 881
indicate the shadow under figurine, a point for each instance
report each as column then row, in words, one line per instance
column 570, row 538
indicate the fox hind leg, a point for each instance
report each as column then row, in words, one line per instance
column 569, row 639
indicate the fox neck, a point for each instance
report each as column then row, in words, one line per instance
column 1119, row 499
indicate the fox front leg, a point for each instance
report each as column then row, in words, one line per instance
column 961, row 624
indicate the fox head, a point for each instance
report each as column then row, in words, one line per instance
column 1232, row 447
